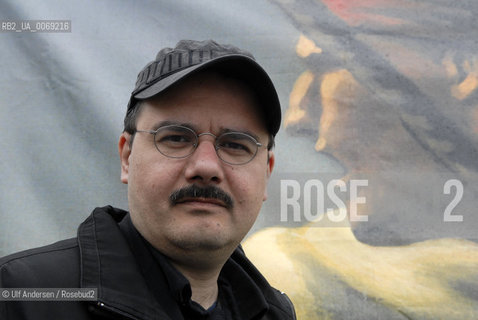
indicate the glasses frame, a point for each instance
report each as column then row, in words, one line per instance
column 196, row 143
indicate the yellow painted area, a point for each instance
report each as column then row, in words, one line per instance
column 470, row 83
column 467, row 86
column 287, row 273
column 331, row 101
column 295, row 113
column 417, row 279
column 305, row 47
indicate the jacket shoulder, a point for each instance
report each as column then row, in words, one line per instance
column 281, row 307
column 54, row 265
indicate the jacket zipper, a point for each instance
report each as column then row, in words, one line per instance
column 112, row 310
column 103, row 306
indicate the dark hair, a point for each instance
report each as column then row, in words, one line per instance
column 131, row 118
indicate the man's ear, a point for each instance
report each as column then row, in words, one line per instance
column 124, row 149
column 270, row 167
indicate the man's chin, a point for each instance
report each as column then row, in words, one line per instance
column 212, row 240
column 201, row 243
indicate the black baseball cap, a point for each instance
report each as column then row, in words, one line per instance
column 172, row 65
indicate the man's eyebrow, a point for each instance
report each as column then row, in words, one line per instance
column 170, row 122
column 227, row 130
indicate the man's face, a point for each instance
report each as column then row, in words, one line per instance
column 207, row 103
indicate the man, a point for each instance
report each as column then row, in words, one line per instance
column 196, row 155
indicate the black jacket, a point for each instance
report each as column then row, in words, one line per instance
column 100, row 258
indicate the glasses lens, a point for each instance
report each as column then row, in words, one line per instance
column 175, row 141
column 236, row 148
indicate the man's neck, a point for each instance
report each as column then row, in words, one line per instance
column 203, row 284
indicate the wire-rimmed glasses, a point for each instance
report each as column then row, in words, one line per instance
column 176, row 141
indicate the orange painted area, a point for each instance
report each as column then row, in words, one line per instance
column 305, row 47
column 329, row 87
column 466, row 87
column 295, row 113
column 410, row 61
column 357, row 12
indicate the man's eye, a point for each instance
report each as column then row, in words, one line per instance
column 177, row 138
column 174, row 138
column 233, row 145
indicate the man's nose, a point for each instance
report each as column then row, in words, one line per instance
column 204, row 166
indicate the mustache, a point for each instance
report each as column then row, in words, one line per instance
column 195, row 191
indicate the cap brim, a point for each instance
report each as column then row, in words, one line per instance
column 239, row 66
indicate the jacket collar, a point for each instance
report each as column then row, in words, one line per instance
column 106, row 257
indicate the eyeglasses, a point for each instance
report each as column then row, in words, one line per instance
column 175, row 141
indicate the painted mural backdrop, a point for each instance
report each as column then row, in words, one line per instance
column 388, row 90
column 372, row 209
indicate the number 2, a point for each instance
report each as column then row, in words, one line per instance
column 447, row 216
